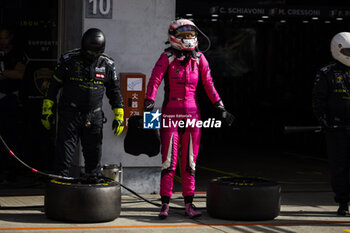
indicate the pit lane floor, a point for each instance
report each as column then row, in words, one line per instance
column 307, row 202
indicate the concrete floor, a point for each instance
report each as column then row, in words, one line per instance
column 307, row 201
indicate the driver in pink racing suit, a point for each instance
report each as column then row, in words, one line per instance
column 182, row 67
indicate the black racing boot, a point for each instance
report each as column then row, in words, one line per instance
column 343, row 209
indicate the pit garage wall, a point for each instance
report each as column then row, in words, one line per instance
column 135, row 35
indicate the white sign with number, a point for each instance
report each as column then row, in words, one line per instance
column 98, row 9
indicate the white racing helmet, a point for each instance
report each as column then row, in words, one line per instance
column 340, row 47
column 178, row 27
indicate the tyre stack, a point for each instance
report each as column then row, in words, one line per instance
column 241, row 198
column 83, row 203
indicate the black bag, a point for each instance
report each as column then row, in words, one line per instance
column 139, row 140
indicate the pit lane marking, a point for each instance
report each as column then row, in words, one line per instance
column 178, row 226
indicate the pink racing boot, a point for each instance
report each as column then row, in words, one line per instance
column 164, row 211
column 190, row 210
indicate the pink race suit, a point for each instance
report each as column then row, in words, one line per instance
column 180, row 103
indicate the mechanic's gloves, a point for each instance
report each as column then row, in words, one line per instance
column 47, row 117
column 226, row 117
column 118, row 122
column 148, row 105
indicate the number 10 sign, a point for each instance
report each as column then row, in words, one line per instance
column 98, row 9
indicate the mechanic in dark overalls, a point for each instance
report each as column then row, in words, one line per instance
column 84, row 75
column 331, row 103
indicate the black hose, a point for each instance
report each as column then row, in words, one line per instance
column 151, row 202
column 73, row 178
column 32, row 169
column 158, row 199
column 206, row 37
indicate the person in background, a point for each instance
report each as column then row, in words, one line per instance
column 84, row 75
column 13, row 61
column 331, row 104
column 183, row 69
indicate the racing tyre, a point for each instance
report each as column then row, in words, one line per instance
column 240, row 198
column 75, row 202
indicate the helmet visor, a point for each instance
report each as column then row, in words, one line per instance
column 185, row 29
column 345, row 51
